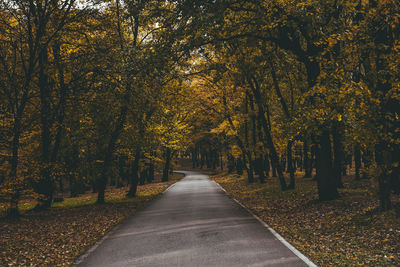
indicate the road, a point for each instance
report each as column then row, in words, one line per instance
column 194, row 223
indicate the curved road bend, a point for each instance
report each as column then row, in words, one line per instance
column 194, row 223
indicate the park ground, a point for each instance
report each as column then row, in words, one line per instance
column 349, row 231
column 56, row 237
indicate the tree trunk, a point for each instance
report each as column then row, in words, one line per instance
column 314, row 149
column 357, row 160
column 208, row 159
column 13, row 210
column 261, row 167
column 143, row 177
column 122, row 169
column 338, row 152
column 214, row 159
column 267, row 165
column 384, row 192
column 273, row 168
column 366, row 159
column 239, row 166
column 45, row 186
column 246, row 149
column 250, row 169
column 201, row 159
column 73, row 165
column 261, row 113
column 306, row 162
column 102, row 180
column 383, row 161
column 151, row 172
column 327, row 186
column 290, row 165
column 194, row 158
column 231, row 163
column 134, row 175
column 167, row 164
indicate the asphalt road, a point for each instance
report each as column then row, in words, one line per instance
column 194, row 223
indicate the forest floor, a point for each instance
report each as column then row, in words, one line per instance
column 56, row 237
column 345, row 232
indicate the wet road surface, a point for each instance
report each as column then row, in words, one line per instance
column 194, row 223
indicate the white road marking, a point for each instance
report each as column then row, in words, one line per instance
column 278, row 236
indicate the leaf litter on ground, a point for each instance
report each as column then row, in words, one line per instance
column 349, row 231
column 56, row 237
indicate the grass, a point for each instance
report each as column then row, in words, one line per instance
column 56, row 237
column 348, row 231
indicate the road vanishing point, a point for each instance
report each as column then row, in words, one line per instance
column 193, row 223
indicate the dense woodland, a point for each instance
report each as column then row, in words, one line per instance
column 103, row 93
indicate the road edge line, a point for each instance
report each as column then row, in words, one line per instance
column 172, row 185
column 303, row 257
column 168, row 188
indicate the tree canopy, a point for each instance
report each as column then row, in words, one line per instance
column 100, row 93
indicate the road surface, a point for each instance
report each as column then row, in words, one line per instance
column 194, row 223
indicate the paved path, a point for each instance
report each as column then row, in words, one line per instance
column 194, row 223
